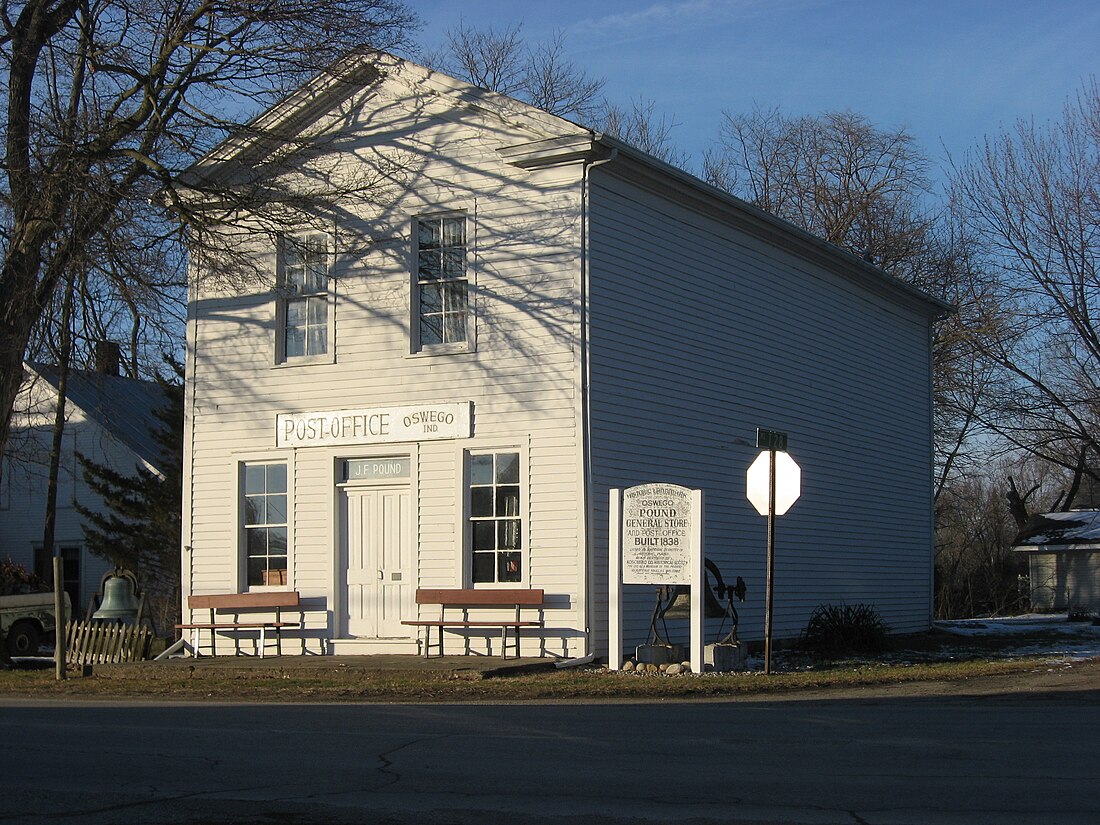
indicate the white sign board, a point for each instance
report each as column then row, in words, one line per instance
column 376, row 425
column 655, row 537
column 657, row 530
column 788, row 483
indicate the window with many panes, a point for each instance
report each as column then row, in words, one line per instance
column 305, row 296
column 496, row 525
column 265, row 523
column 442, row 284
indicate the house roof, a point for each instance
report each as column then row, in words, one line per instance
column 1059, row 532
column 122, row 406
column 554, row 139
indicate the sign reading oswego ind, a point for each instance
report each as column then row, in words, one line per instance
column 377, row 425
column 656, row 534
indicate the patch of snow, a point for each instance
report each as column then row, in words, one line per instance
column 1007, row 625
column 1060, row 639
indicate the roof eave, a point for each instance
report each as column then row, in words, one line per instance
column 935, row 307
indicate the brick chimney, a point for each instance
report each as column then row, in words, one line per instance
column 107, row 357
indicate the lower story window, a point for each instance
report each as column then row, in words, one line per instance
column 496, row 526
column 265, row 523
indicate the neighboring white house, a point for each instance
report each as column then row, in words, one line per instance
column 108, row 419
column 1063, row 556
column 439, row 389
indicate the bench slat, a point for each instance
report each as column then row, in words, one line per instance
column 522, row 597
column 233, row 625
column 506, row 623
column 244, row 601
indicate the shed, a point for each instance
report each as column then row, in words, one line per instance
column 1063, row 555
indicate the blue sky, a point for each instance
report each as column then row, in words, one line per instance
column 950, row 71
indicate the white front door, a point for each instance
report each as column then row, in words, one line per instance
column 378, row 550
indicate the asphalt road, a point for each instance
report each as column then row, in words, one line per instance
column 1029, row 758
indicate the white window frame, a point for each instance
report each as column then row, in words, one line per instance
column 239, row 467
column 467, row 526
column 416, row 345
column 284, row 296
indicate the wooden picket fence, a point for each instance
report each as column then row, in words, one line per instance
column 97, row 643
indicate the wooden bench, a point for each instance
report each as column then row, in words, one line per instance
column 237, row 603
column 463, row 600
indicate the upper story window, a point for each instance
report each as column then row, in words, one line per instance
column 305, row 311
column 442, row 282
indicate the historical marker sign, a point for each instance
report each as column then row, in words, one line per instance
column 658, row 521
column 655, row 536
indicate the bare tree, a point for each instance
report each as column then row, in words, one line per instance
column 501, row 60
column 835, row 175
column 105, row 100
column 642, row 127
column 867, row 191
column 488, row 58
column 977, row 572
column 1032, row 193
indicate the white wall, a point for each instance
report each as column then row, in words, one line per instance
column 1065, row 581
column 521, row 377
column 701, row 333
column 23, row 506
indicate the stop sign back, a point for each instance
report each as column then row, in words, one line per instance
column 788, row 483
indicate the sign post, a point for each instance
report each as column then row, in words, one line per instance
column 774, row 482
column 656, row 537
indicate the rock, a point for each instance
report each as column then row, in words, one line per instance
column 662, row 667
column 651, row 668
column 628, row 666
column 675, row 670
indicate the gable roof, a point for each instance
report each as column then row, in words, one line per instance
column 356, row 73
column 552, row 140
column 123, row 407
column 1058, row 532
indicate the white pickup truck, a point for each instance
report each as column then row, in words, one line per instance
column 26, row 619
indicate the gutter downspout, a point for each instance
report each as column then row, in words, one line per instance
column 187, row 523
column 587, row 570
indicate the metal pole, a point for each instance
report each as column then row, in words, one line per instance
column 615, row 580
column 771, row 564
column 59, row 617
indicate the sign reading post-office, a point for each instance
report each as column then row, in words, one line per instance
column 656, row 537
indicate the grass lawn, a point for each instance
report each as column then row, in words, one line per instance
column 932, row 657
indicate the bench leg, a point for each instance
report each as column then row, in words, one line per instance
column 263, row 642
column 428, row 641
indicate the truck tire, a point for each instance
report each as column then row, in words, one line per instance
column 23, row 639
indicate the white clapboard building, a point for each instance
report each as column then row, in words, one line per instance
column 436, row 386
column 108, row 419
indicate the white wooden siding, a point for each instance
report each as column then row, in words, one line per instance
column 699, row 334
column 521, row 377
column 23, row 521
column 1069, row 580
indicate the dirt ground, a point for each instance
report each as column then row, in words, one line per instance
column 1045, row 678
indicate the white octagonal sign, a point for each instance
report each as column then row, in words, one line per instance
column 788, row 483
